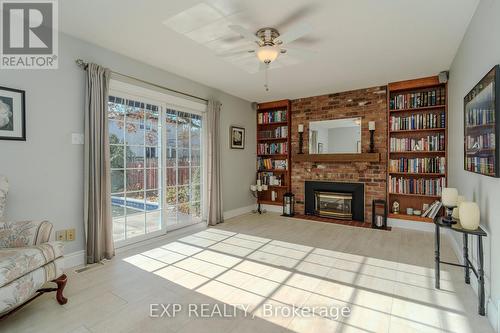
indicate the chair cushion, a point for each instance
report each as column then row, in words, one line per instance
column 23, row 288
column 16, row 262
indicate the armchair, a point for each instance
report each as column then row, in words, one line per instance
column 27, row 261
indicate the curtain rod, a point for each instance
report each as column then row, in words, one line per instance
column 83, row 65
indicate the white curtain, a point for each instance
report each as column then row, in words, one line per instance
column 214, row 197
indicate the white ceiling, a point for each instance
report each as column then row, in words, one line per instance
column 358, row 43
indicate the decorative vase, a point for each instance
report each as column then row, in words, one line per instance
column 469, row 215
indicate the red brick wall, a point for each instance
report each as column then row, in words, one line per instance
column 369, row 104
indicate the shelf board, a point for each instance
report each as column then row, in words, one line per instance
column 415, row 195
column 423, row 108
column 273, row 170
column 418, row 152
column 361, row 157
column 269, row 202
column 273, row 139
column 430, row 174
column 484, row 150
column 274, row 155
column 414, row 218
column 277, row 186
column 420, row 130
column 275, row 123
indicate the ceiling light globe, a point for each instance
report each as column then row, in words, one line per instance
column 268, row 54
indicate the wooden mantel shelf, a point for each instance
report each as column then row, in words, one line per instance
column 338, row 158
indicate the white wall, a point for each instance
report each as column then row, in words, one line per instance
column 477, row 54
column 46, row 171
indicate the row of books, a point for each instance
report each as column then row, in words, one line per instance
column 418, row 121
column 433, row 209
column 418, row 100
column 483, row 141
column 268, row 178
column 272, row 117
column 418, row 165
column 272, row 148
column 269, row 164
column 422, row 186
column 277, row 133
column 429, row 143
column 475, row 117
column 484, row 165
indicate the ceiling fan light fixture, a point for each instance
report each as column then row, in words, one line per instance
column 268, row 53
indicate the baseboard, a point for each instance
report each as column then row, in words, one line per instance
column 238, row 211
column 412, row 225
column 74, row 259
column 273, row 208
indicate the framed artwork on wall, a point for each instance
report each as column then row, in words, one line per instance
column 12, row 114
column 237, row 137
column 481, row 130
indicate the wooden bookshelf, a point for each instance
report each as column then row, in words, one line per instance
column 419, row 102
column 265, row 128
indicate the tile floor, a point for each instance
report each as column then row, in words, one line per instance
column 269, row 267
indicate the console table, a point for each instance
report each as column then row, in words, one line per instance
column 479, row 272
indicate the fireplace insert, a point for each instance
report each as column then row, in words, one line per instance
column 333, row 205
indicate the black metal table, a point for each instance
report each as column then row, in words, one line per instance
column 479, row 272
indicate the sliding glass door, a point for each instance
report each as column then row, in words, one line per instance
column 156, row 167
column 183, row 167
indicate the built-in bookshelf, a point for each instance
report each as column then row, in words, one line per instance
column 273, row 150
column 417, row 145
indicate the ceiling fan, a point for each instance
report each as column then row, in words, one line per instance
column 269, row 44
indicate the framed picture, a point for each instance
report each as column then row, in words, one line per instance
column 12, row 114
column 481, row 131
column 237, row 137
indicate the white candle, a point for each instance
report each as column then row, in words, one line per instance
column 264, row 187
column 371, row 126
column 273, row 196
column 253, row 188
column 449, row 197
column 258, row 182
column 301, row 128
column 259, row 188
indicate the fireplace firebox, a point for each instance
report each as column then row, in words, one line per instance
column 334, row 205
column 336, row 200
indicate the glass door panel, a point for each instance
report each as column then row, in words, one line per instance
column 135, row 147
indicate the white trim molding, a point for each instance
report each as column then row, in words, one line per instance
column 74, row 259
column 412, row 225
column 238, row 211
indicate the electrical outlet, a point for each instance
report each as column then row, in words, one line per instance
column 70, row 234
column 61, row 235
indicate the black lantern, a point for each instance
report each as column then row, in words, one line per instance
column 379, row 214
column 288, row 204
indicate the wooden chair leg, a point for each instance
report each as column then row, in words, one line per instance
column 61, row 283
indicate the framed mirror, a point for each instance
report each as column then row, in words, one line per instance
column 338, row 136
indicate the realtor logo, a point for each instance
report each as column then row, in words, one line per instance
column 29, row 36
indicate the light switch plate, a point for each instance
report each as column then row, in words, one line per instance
column 77, row 139
column 70, row 234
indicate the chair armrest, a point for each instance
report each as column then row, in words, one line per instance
column 24, row 233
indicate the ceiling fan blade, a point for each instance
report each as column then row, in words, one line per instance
column 234, row 53
column 295, row 33
column 245, row 33
column 300, row 53
column 297, row 15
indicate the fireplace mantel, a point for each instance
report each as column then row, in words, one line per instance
column 338, row 158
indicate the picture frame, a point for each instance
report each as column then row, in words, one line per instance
column 481, row 130
column 12, row 114
column 237, row 137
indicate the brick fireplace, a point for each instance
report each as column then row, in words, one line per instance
column 371, row 105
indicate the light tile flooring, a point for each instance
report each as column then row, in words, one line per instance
column 267, row 264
